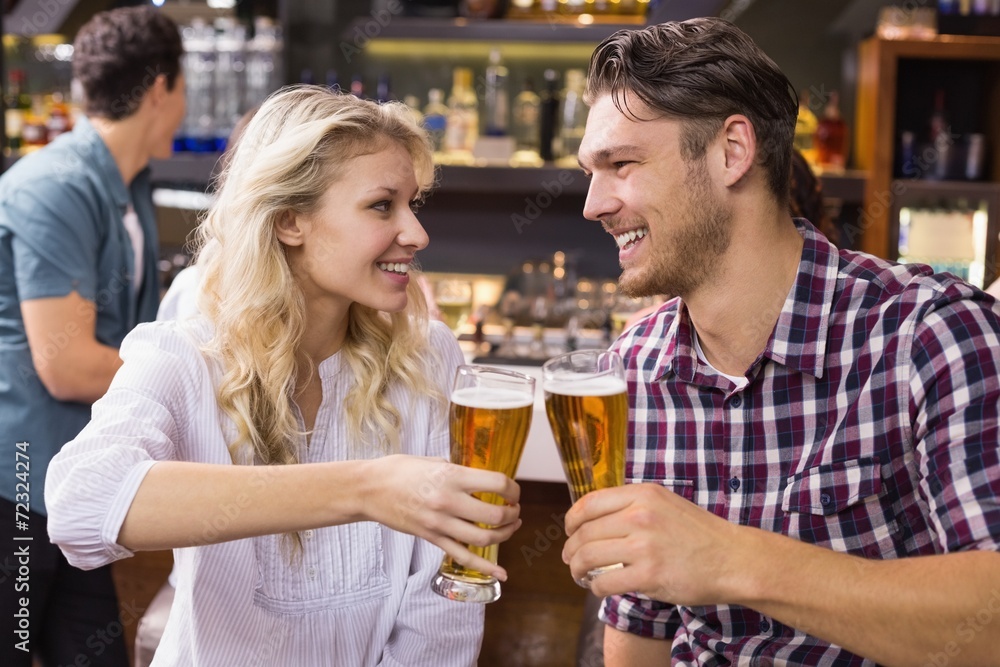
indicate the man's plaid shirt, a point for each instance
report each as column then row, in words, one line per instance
column 869, row 426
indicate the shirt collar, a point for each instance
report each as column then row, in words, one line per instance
column 88, row 137
column 799, row 337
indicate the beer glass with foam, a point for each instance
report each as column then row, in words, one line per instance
column 490, row 415
column 585, row 401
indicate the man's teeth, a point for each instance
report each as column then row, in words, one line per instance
column 624, row 239
column 395, row 268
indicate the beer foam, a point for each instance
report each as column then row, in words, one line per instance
column 491, row 398
column 599, row 385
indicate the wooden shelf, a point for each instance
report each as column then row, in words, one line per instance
column 195, row 170
column 876, row 116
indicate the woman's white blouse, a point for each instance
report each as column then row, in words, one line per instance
column 361, row 594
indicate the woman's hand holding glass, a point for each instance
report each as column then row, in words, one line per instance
column 489, row 419
column 432, row 499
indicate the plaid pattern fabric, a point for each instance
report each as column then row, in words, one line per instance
column 869, row 426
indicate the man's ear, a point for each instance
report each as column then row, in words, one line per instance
column 289, row 230
column 157, row 91
column 740, row 147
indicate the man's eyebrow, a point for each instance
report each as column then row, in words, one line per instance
column 606, row 155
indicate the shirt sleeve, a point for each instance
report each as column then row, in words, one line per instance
column 92, row 481
column 954, row 405
column 639, row 615
column 429, row 629
column 56, row 242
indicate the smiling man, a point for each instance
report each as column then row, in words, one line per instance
column 814, row 464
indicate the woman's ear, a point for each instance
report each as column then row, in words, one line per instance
column 289, row 229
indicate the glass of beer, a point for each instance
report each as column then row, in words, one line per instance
column 490, row 415
column 585, row 401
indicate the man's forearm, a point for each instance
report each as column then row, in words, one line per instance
column 899, row 612
column 622, row 649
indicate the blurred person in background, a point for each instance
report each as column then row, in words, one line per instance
column 288, row 442
column 814, row 433
column 78, row 251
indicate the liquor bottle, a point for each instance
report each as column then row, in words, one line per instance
column 525, row 117
column 436, row 118
column 17, row 105
column 497, row 98
column 412, row 103
column 463, row 114
column 573, row 116
column 58, row 121
column 358, row 86
column 940, row 137
column 831, row 136
column 805, row 129
column 383, row 88
column 549, row 117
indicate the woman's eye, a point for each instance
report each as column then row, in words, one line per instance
column 382, row 206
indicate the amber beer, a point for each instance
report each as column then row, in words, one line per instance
column 489, row 425
column 589, row 417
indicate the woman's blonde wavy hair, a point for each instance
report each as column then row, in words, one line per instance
column 301, row 141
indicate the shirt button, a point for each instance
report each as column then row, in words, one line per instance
column 311, row 572
column 764, row 625
column 736, row 401
column 308, row 534
column 825, row 499
column 734, row 483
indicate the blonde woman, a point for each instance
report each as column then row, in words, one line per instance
column 287, row 444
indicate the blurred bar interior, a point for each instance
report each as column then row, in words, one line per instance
column 899, row 113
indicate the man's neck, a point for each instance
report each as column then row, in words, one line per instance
column 125, row 140
column 735, row 314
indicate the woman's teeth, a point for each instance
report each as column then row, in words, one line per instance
column 395, row 268
column 630, row 237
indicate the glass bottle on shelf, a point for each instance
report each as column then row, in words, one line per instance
column 58, row 121
column 358, row 86
column 230, row 63
column 263, row 61
column 831, row 137
column 805, row 129
column 524, row 124
column 199, row 71
column 17, row 105
column 940, row 136
column 573, row 116
column 436, row 118
column 412, row 103
column 549, row 116
column 463, row 116
column 497, row 98
column 383, row 88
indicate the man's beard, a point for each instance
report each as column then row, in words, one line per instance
column 682, row 260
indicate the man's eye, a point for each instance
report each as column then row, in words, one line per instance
column 622, row 163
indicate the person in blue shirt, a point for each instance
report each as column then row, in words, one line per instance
column 78, row 251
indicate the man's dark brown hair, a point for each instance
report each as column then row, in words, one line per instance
column 118, row 54
column 701, row 72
